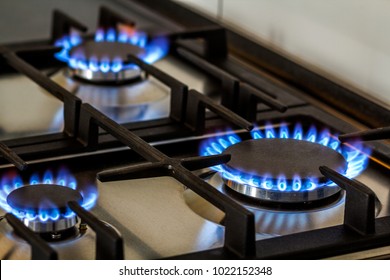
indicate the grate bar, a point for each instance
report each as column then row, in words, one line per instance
column 381, row 133
column 359, row 212
column 110, row 19
column 62, row 25
column 40, row 250
column 12, row 157
column 215, row 40
column 109, row 244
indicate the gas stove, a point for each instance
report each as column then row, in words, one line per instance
column 161, row 134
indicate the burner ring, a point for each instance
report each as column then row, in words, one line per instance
column 44, row 207
column 51, row 226
column 279, row 196
column 104, row 62
column 276, row 165
column 98, row 77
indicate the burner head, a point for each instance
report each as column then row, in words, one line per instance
column 287, row 169
column 45, row 206
column 104, row 61
column 280, row 164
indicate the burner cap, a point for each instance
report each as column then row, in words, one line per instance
column 42, row 197
column 104, row 61
column 51, row 200
column 278, row 159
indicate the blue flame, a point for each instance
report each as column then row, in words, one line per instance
column 356, row 156
column 155, row 49
column 12, row 181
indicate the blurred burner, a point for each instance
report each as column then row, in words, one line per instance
column 45, row 207
column 286, row 169
column 103, row 59
column 107, row 59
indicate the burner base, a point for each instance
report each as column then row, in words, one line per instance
column 282, row 196
column 49, row 226
column 124, row 76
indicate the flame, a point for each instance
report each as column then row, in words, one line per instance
column 12, row 181
column 356, row 156
column 155, row 49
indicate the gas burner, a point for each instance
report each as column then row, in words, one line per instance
column 107, row 53
column 282, row 166
column 42, row 203
column 104, row 59
column 45, row 207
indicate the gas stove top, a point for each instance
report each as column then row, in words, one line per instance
column 159, row 136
